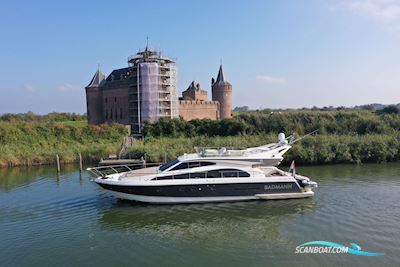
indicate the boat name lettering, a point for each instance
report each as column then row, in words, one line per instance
column 278, row 186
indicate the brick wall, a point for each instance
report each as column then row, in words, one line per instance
column 195, row 95
column 192, row 109
column 94, row 105
column 115, row 105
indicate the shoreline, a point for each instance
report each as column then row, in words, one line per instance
column 285, row 164
column 315, row 150
column 348, row 137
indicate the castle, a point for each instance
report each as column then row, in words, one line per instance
column 146, row 91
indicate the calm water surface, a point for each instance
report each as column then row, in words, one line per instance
column 70, row 221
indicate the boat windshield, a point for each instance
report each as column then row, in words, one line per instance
column 168, row 164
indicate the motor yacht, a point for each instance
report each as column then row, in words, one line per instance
column 210, row 175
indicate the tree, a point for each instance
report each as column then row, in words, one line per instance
column 392, row 109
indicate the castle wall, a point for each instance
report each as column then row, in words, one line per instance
column 94, row 105
column 116, row 105
column 192, row 109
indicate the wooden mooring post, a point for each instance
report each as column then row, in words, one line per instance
column 80, row 162
column 58, row 163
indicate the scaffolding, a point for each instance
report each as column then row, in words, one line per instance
column 149, row 88
column 158, row 96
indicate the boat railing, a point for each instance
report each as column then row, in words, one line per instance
column 202, row 148
column 103, row 171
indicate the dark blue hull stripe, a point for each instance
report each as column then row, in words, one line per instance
column 207, row 190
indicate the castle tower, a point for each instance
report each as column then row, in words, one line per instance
column 194, row 92
column 222, row 92
column 94, row 100
column 155, row 88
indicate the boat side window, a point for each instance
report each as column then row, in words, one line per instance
column 181, row 176
column 171, row 177
column 168, row 165
column 162, row 178
column 244, row 174
column 183, row 165
column 213, row 174
column 226, row 173
column 222, row 173
column 234, row 173
column 205, row 163
column 196, row 175
column 192, row 164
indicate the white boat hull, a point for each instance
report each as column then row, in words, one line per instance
column 285, row 195
column 179, row 200
column 182, row 200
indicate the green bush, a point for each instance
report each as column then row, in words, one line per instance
column 32, row 143
column 319, row 149
column 299, row 121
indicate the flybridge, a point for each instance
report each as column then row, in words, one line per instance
column 273, row 149
column 269, row 154
column 220, row 152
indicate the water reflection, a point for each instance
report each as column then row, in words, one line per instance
column 350, row 173
column 215, row 223
column 78, row 223
column 12, row 178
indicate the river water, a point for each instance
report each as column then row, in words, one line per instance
column 70, row 221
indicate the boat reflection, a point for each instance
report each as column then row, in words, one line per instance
column 221, row 222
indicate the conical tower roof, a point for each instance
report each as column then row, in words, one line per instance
column 97, row 79
column 220, row 78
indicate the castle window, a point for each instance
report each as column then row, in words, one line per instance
column 115, row 99
column 111, row 114
column 106, row 114
column 105, row 99
column 120, row 113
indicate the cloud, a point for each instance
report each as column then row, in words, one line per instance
column 69, row 87
column 386, row 11
column 29, row 88
column 270, row 79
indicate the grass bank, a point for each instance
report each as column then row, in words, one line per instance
column 35, row 143
column 343, row 136
column 319, row 149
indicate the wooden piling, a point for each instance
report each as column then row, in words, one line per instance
column 80, row 162
column 58, row 163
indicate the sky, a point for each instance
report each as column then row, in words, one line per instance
column 275, row 53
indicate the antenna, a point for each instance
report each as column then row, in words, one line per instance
column 292, row 141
